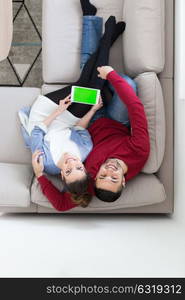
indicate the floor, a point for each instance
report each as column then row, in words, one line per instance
column 94, row 246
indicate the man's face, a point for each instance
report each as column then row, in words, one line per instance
column 110, row 176
column 72, row 168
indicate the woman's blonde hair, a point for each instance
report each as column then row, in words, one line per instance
column 82, row 200
column 79, row 191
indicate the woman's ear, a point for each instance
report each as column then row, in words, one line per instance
column 61, row 173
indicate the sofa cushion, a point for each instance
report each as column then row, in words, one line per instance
column 150, row 92
column 15, row 185
column 48, row 88
column 143, row 42
column 62, row 37
column 12, row 148
column 61, row 40
column 140, row 191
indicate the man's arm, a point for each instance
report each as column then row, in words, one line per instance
column 60, row 201
column 139, row 126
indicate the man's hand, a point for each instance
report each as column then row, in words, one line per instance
column 37, row 163
column 104, row 71
column 98, row 105
column 64, row 104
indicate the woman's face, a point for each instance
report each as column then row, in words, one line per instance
column 72, row 168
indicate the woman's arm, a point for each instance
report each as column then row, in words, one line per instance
column 37, row 139
column 63, row 105
column 61, row 201
column 37, row 163
column 51, row 117
column 84, row 122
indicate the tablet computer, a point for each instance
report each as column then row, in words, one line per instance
column 84, row 95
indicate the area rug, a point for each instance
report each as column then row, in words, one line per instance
column 23, row 65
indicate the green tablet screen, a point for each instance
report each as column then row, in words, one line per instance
column 85, row 95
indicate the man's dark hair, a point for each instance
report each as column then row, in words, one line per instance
column 107, row 196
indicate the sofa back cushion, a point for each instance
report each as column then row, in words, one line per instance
column 150, row 93
column 143, row 40
column 139, row 49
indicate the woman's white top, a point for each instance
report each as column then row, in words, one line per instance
column 58, row 132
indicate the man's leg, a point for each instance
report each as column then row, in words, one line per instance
column 116, row 109
column 91, row 35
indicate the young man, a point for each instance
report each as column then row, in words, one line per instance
column 118, row 154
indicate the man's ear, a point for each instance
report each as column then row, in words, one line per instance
column 123, row 182
column 61, row 173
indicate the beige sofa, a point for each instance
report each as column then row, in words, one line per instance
column 145, row 52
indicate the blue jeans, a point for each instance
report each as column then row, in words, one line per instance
column 116, row 109
column 91, row 34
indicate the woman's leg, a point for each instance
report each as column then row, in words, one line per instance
column 91, row 24
column 60, row 94
column 88, row 76
column 88, row 70
column 103, row 55
column 88, row 9
column 99, row 58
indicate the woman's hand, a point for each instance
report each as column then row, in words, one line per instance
column 84, row 122
column 104, row 71
column 64, row 104
column 98, row 105
column 37, row 163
